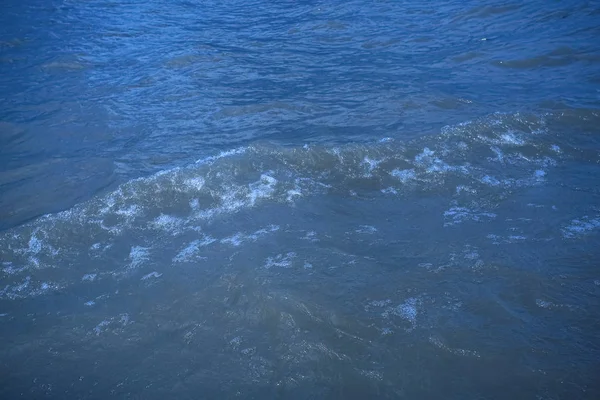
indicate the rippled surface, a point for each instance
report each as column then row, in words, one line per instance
column 299, row 199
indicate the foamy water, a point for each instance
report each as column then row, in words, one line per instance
column 355, row 263
column 306, row 200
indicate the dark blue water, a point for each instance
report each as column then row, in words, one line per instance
column 299, row 199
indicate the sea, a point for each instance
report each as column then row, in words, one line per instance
column 300, row 199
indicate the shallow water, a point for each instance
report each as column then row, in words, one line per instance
column 299, row 200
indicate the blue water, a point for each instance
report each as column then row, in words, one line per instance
column 299, row 199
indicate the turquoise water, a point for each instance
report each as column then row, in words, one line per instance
column 299, row 200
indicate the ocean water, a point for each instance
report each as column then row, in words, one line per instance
column 299, row 199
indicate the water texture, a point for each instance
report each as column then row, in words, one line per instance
column 339, row 200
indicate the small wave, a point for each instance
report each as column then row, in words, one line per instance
column 168, row 212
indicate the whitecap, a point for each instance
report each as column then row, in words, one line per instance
column 151, row 275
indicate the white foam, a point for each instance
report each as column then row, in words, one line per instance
column 151, row 275
column 516, row 237
column 375, row 375
column 11, row 270
column 27, row 288
column 453, row 303
column 264, row 231
column 248, row 351
column 499, row 153
column 378, row 303
column 234, row 240
column 471, row 254
column 280, row 260
column 101, row 327
column 543, row 304
column 196, row 183
column 223, row 192
column 235, row 342
column 461, row 352
column 432, row 164
column 535, row 205
column 262, row 189
column 189, row 253
column 497, row 239
column 550, row 305
column 229, row 203
column 122, row 321
column 462, row 146
column 115, row 230
column 404, row 175
column 168, row 223
column 310, row 236
column 366, row 229
column 456, row 215
column 581, row 226
column 336, row 152
column 370, row 164
column 194, row 204
column 439, row 166
column 407, row 311
column 47, row 286
column 292, row 193
column 425, row 156
column 16, row 291
column 512, row 139
column 35, row 245
column 490, row 180
column 22, row 286
column 212, row 159
column 129, row 212
column 138, row 255
column 432, row 268
column 466, row 189
column 303, row 187
column 239, row 238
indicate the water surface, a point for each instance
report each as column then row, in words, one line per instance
column 299, row 199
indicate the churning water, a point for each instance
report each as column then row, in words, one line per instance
column 299, row 199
